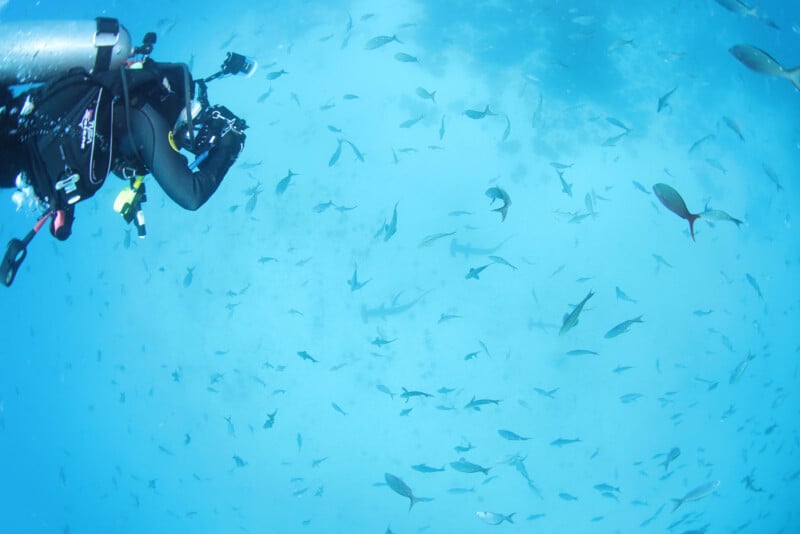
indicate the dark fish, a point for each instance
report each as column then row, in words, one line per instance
column 379, row 41
column 356, row 151
column 411, row 122
column 674, row 202
column 759, row 61
column 474, row 272
column 476, row 404
column 401, row 488
column 441, row 129
column 306, row 356
column 354, row 284
column 772, row 175
column 560, row 442
column 187, row 280
column 664, row 100
column 284, row 183
column 622, row 296
column 335, row 156
column 618, row 123
column 622, row 327
column 740, row 8
column 406, row 394
column 265, row 95
column 405, row 58
column 270, row 422
column 391, row 228
column 239, row 462
column 571, row 318
column 612, row 141
column 698, row 493
column 473, row 114
column 754, row 285
column 507, row 131
column 582, row 352
column 496, row 193
column 350, row 96
column 565, row 187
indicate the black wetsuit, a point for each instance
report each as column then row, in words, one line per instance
column 151, row 153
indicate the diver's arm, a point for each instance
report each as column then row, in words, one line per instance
column 188, row 189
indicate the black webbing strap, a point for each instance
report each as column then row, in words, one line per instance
column 104, row 40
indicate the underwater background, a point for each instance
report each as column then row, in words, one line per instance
column 242, row 369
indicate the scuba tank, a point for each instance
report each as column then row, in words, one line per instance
column 38, row 51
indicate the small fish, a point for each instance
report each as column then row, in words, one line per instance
column 126, row 242
column 621, row 369
column 759, row 61
column 622, row 296
column 391, row 228
column 276, row 74
column 571, row 318
column 511, row 436
column 698, row 493
column 354, row 284
column 496, row 193
column 239, row 461
column 507, row 131
column 386, row 390
column 441, row 129
column 738, row 371
column 430, row 239
column 323, row 206
column 474, row 114
column 447, row 317
column 335, row 156
column 502, row 261
column 582, row 352
column 560, row 442
column 475, row 404
column 618, row 123
column 754, row 285
column 550, row 394
column 605, row 487
column 350, row 96
column 565, row 187
column 426, row 95
column 464, row 466
column 567, row 497
column 405, row 58
column 622, row 327
column 640, row 187
column 730, row 123
column 492, row 518
column 460, row 491
column 672, row 455
column 719, row 215
column 401, row 488
column 299, row 441
column 424, row 468
column 270, row 422
column 674, row 202
column 700, row 141
column 772, row 175
column 406, row 394
column 664, row 100
column 187, row 279
column 381, row 40
column 356, row 151
column 474, row 272
column 717, row 165
column 411, row 122
column 283, row 184
column 613, row 140
column 338, row 408
column 306, row 356
column 630, row 397
column 334, row 129
column 661, row 261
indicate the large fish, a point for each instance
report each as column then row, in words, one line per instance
column 696, row 494
column 740, row 8
column 571, row 318
column 756, row 59
column 401, row 488
column 674, row 203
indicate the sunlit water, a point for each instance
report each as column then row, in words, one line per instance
column 138, row 377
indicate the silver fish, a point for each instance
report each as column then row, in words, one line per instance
column 759, row 61
column 496, row 193
column 571, row 318
column 405, row 58
column 511, row 436
column 719, row 215
column 411, row 122
column 698, row 493
column 664, row 100
column 730, row 123
column 474, row 114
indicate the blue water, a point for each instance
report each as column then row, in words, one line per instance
column 133, row 397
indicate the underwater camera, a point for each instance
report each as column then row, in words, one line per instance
column 238, row 64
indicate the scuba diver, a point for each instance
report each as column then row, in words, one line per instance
column 80, row 103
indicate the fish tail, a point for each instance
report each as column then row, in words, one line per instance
column 510, row 517
column 692, row 218
column 414, row 500
column 793, row 75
